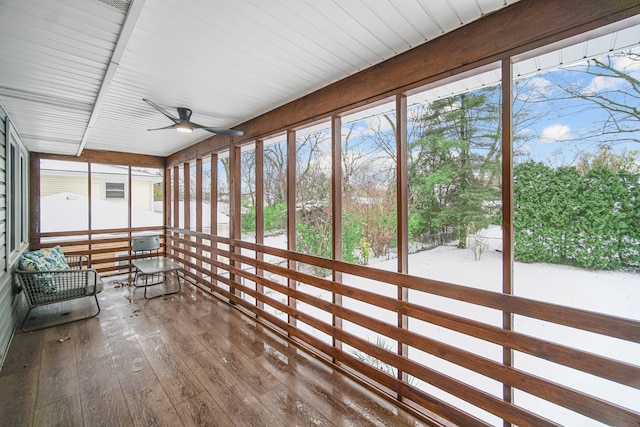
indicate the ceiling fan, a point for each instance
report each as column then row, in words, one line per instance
column 183, row 124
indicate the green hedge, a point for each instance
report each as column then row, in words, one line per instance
column 589, row 220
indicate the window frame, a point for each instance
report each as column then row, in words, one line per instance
column 16, row 194
column 107, row 190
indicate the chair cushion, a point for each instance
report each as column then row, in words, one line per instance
column 50, row 259
column 56, row 258
column 43, row 260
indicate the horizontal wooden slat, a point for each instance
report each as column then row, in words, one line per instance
column 37, row 236
column 616, row 327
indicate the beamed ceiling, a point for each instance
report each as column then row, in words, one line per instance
column 73, row 73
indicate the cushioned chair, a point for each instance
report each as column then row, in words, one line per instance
column 47, row 276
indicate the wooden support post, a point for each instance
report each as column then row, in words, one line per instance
column 259, row 156
column 403, row 216
column 166, row 196
column 199, row 213
column 214, row 211
column 89, row 213
column 129, row 206
column 176, row 208
column 129, row 200
column 336, row 197
column 507, row 210
column 234, row 210
column 186, row 198
column 291, row 212
column 34, row 200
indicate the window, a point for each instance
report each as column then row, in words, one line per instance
column 114, row 190
column 17, row 209
column 369, row 199
column 64, row 192
column 147, row 195
column 313, row 192
column 109, row 196
column 576, row 204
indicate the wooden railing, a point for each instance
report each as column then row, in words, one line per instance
column 109, row 251
column 311, row 311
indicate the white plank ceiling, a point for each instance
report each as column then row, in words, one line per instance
column 73, row 72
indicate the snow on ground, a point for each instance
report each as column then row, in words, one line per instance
column 614, row 293
column 69, row 211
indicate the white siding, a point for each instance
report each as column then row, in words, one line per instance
column 8, row 315
column 54, row 184
column 142, row 194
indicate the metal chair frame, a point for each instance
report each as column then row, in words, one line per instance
column 75, row 283
column 147, row 248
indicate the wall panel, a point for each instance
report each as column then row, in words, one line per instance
column 7, row 305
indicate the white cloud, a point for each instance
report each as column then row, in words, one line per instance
column 625, row 64
column 603, row 83
column 376, row 124
column 555, row 133
column 533, row 89
column 540, row 85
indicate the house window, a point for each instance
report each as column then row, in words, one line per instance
column 114, row 190
column 17, row 209
column 13, row 211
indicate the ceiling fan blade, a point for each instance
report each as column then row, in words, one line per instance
column 166, row 127
column 220, row 131
column 229, row 132
column 162, row 110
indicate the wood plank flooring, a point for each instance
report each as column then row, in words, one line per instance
column 179, row 360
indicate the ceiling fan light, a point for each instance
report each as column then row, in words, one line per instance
column 184, row 127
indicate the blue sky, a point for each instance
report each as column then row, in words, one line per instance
column 560, row 132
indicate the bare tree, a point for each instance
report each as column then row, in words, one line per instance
column 615, row 91
column 248, row 176
column 313, row 189
column 369, row 171
column 206, row 186
column 312, row 167
column 352, row 155
column 275, row 173
column 375, row 208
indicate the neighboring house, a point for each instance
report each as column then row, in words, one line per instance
column 108, row 182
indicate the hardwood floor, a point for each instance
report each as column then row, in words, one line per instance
column 179, row 360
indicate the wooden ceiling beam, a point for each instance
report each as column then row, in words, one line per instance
column 109, row 158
